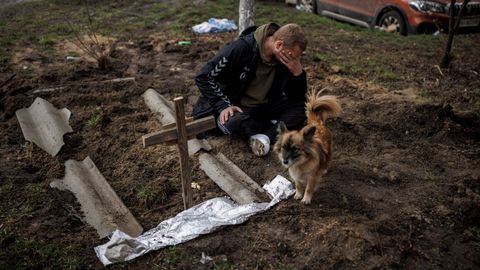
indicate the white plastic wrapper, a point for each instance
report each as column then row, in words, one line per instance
column 215, row 26
column 204, row 218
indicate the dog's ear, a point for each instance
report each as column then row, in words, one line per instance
column 309, row 133
column 281, row 128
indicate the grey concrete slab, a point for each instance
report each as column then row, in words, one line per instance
column 102, row 208
column 44, row 125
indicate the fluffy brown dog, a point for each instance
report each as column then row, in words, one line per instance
column 307, row 153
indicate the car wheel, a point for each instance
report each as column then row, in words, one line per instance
column 309, row 5
column 392, row 22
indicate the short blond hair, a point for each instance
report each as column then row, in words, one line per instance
column 291, row 34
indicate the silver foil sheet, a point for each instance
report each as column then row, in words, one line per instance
column 203, row 218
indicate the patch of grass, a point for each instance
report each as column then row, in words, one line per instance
column 25, row 145
column 150, row 196
column 48, row 41
column 40, row 254
column 35, row 189
column 93, row 120
column 325, row 57
column 387, row 74
column 171, row 257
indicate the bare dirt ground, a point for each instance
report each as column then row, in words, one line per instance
column 403, row 190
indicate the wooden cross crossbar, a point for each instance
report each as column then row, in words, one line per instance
column 179, row 134
column 169, row 134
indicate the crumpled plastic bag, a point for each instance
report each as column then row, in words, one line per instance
column 215, row 26
column 201, row 219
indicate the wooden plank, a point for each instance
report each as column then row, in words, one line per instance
column 164, row 136
column 200, row 125
column 170, row 135
column 185, row 168
column 163, row 110
column 173, row 124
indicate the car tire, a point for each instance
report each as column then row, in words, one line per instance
column 392, row 22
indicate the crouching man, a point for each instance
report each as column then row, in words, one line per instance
column 255, row 82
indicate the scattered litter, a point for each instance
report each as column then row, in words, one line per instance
column 215, row 26
column 44, row 125
column 305, row 8
column 127, row 79
column 205, row 258
column 184, row 43
column 46, row 90
column 102, row 208
column 73, row 58
column 439, row 69
column 389, row 29
column 195, row 185
column 201, row 219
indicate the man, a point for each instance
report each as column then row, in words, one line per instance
column 255, row 82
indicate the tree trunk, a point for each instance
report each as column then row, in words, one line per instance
column 452, row 29
column 246, row 14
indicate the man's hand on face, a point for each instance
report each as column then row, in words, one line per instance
column 227, row 113
column 290, row 57
column 291, row 61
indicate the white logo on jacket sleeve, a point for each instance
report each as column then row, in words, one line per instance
column 244, row 73
column 218, row 67
column 214, row 73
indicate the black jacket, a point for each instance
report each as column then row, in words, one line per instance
column 225, row 78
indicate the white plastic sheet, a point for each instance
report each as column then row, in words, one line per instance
column 215, row 26
column 203, row 218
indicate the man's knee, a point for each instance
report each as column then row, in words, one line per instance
column 234, row 123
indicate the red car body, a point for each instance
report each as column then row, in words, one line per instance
column 410, row 16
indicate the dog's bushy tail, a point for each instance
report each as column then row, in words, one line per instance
column 320, row 108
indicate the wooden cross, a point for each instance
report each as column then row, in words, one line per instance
column 179, row 134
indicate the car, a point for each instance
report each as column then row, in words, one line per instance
column 401, row 16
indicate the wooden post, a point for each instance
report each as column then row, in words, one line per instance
column 185, row 168
column 179, row 133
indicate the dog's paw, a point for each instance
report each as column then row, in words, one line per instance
column 298, row 195
column 306, row 200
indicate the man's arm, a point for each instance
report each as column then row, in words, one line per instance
column 208, row 78
column 297, row 87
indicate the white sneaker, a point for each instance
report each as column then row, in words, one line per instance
column 260, row 144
